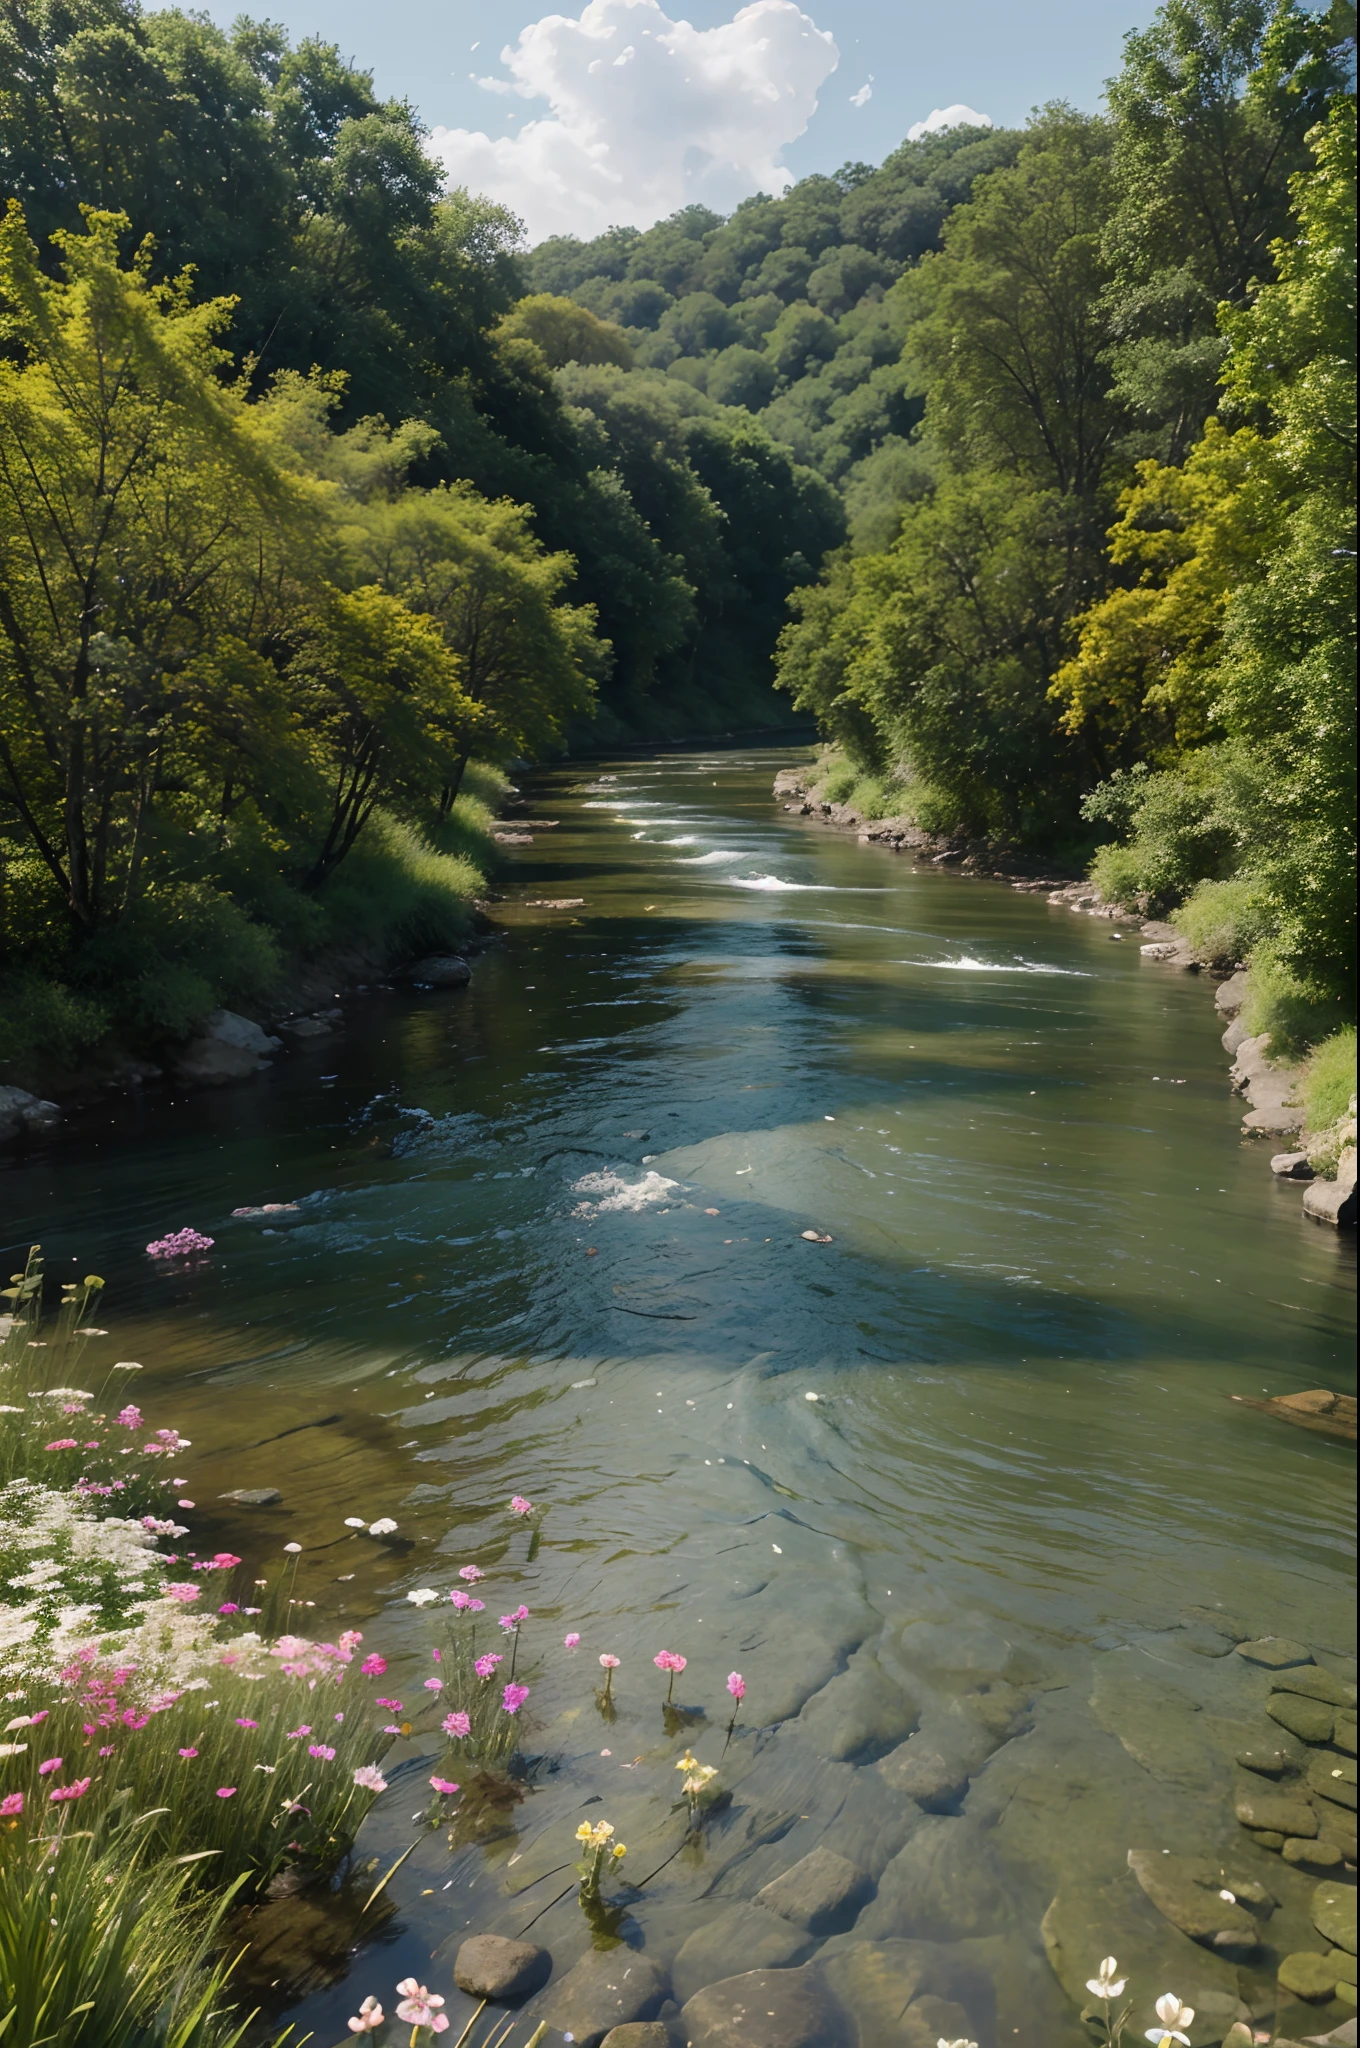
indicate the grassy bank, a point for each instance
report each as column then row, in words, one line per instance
column 237, row 935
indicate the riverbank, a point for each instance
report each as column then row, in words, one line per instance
column 1322, row 1160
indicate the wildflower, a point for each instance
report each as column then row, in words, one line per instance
column 178, row 1243
column 226, row 1791
column 12, row 1803
column 53, row 1764
column 519, row 1505
column 322, row 1750
column 182, row 1591
column 510, row 1622
column 395, row 1705
column 187, row 1753
column 293, row 1549
column 421, row 1596
column 610, row 1662
column 513, row 1698
column 370, row 1779
column 354, row 1522
column 570, row 1642
column 434, row 1685
column 129, row 1417
column 63, row 1443
column 370, row 2016
column 445, row 1787
column 300, row 1730
column 73, row 1791
column 485, row 1666
column 350, row 1640
column 736, row 1685
column 1174, row 2016
column 1105, row 1984
column 471, row 1572
column 373, row 1665
column 671, row 1661
column 960, row 2043
column 127, row 1365
column 459, row 1726
column 420, row 2007
column 242, row 1722
column 384, row 1526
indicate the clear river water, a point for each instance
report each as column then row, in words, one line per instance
column 957, row 1471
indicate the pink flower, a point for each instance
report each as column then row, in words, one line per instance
column 12, row 1803
column 395, row 1705
column 185, row 1593
column 485, row 1666
column 350, row 1639
column 370, row 2017
column 609, row 1661
column 444, row 1786
column 129, row 1417
column 229, row 1607
column 53, row 1764
column 434, row 1685
column 322, row 1750
column 301, row 1729
column 419, row 2007
column 188, row 1752
column 370, row 1779
column 570, row 1642
column 63, row 1443
column 519, row 1505
column 459, row 1726
column 736, row 1685
column 242, row 1722
column 373, row 1665
column 669, row 1660
column 471, row 1572
column 513, row 1698
column 510, row 1622
column 460, row 1599
column 226, row 1791
column 178, row 1243
column 75, row 1791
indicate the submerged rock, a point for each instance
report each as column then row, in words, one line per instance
column 1268, row 1763
column 1332, row 1777
column 639, row 2034
column 763, row 2009
column 822, row 1892
column 253, row 1496
column 1309, row 1975
column 1313, row 1683
column 439, row 970
column 925, row 1774
column 1194, row 1894
column 1333, row 1914
column 228, row 1047
column 1310, row 1720
column 603, row 1991
column 21, row 1112
column 1275, row 1652
column 1276, row 1812
column 739, row 1937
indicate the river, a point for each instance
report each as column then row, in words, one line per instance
column 963, row 1458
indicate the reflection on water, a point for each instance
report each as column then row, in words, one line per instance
column 953, row 1481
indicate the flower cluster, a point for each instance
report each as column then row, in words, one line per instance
column 179, row 1244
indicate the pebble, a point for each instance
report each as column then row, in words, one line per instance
column 492, row 1966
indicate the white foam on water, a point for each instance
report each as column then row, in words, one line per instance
column 966, row 964
column 709, row 860
column 614, row 1193
column 685, row 839
column 776, row 882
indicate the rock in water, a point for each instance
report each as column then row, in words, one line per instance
column 603, row 1991
column 1269, row 1763
column 823, row 1892
column 1188, row 1891
column 933, row 1780
column 1275, row 1652
column 1333, row 1914
column 228, row 1048
column 439, row 970
column 1310, row 1720
column 1311, row 1682
column 639, row 2034
column 491, row 1966
column 763, row 2009
column 20, row 1112
column 1277, row 1813
column 1308, row 1975
column 253, row 1496
column 1333, row 1777
column 739, row 1935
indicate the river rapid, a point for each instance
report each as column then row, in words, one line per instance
column 963, row 1462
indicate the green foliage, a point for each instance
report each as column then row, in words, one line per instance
column 1224, row 920
column 1296, row 1013
column 564, row 332
column 42, row 1019
column 1329, row 1083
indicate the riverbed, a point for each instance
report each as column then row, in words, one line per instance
column 853, row 1262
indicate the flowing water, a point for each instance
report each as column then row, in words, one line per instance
column 964, row 1463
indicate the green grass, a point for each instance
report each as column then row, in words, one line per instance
column 1294, row 1015
column 1329, row 1082
column 1222, row 920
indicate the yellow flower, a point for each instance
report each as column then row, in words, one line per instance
column 618, row 1850
column 585, row 1833
column 687, row 1762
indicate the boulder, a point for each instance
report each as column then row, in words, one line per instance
column 253, row 1496
column 1333, row 1201
column 861, row 1713
column 1311, row 1682
column 1332, row 1910
column 1309, row 1975
column 1310, row 1720
column 1235, row 1036
column 1291, row 1166
column 602, row 1991
column 228, row 1047
column 1343, row 1733
column 1230, row 995
column 492, row 1966
column 21, row 1112
column 1276, row 1812
column 1275, row 1652
column 1332, row 1777
column 925, row 1774
column 1268, row 1087
column 439, row 970
column 763, row 2009
column 639, row 2034
column 822, row 1892
column 1312, row 1855
column 305, row 1027
column 739, row 1937
column 1161, row 949
column 1268, row 1763
column 1194, row 1894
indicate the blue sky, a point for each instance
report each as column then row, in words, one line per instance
column 624, row 108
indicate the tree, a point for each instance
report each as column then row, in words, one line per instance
column 566, row 333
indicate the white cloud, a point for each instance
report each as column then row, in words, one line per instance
column 957, row 116
column 864, row 95
column 647, row 114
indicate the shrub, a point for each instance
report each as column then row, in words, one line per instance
column 179, row 952
column 1294, row 1014
column 397, row 886
column 43, row 1021
column 1329, row 1083
column 1223, row 920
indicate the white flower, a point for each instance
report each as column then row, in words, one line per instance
column 382, row 1527
column 1105, row 1984
column 1173, row 2016
column 292, row 1548
column 12, row 1748
column 354, row 1521
column 1231, row 1897
column 127, row 1365
column 960, row 2043
column 370, row 1779
column 422, row 1596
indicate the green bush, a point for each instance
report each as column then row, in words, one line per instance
column 42, row 1022
column 1295, row 1015
column 1329, row 1083
column 396, row 886
column 1223, row 920
column 178, row 953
